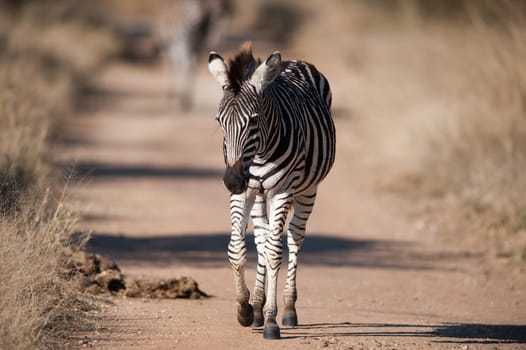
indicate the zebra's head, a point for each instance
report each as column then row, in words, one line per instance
column 243, row 80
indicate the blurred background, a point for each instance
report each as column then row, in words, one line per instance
column 429, row 96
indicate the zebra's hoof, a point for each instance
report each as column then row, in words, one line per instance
column 258, row 319
column 245, row 315
column 290, row 320
column 271, row 330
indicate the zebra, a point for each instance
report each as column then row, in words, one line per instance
column 186, row 27
column 278, row 145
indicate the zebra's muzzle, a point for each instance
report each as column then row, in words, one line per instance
column 236, row 181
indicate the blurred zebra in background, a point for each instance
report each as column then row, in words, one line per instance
column 186, row 28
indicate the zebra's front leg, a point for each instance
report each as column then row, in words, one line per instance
column 260, row 221
column 279, row 208
column 240, row 206
column 302, row 207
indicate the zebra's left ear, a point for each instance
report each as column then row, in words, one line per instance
column 218, row 68
column 267, row 71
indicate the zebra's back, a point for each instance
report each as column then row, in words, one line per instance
column 303, row 98
column 305, row 72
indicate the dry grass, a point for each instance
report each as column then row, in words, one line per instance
column 478, row 151
column 28, row 113
column 448, row 120
column 47, row 48
column 39, row 308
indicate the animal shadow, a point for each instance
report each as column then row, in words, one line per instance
column 454, row 333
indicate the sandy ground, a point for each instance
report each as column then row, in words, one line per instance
column 149, row 183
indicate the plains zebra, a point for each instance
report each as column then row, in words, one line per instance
column 279, row 143
column 186, row 27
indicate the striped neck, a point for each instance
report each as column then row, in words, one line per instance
column 268, row 123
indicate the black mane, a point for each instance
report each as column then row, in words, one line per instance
column 241, row 67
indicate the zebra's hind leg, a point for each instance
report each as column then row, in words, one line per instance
column 260, row 221
column 183, row 61
column 302, row 207
column 240, row 206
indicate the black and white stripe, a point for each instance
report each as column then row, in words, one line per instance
column 279, row 144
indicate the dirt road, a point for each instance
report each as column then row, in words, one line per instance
column 369, row 278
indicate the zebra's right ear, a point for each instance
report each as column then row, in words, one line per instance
column 218, row 68
column 267, row 71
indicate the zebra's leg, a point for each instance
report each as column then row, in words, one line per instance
column 279, row 208
column 260, row 221
column 302, row 207
column 187, row 85
column 240, row 206
column 183, row 61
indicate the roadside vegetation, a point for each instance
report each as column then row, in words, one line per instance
column 469, row 152
column 47, row 48
column 447, row 115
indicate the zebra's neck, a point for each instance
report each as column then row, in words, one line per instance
column 269, row 126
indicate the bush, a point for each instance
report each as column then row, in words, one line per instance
column 39, row 306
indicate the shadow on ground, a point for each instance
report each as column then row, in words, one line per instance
column 211, row 250
column 443, row 333
column 102, row 170
column 96, row 98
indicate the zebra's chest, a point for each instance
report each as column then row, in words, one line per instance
column 283, row 173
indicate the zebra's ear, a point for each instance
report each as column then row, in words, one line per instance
column 267, row 71
column 218, row 68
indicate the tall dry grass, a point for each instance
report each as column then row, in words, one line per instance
column 47, row 48
column 39, row 308
column 478, row 152
column 446, row 113
column 32, row 102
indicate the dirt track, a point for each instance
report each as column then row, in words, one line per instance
column 150, row 186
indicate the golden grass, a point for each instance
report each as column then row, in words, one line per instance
column 479, row 152
column 39, row 307
column 47, row 49
column 446, row 114
column 28, row 113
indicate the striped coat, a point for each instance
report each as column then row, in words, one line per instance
column 279, row 144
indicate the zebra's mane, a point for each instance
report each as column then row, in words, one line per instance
column 241, row 67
